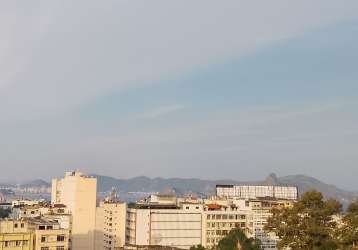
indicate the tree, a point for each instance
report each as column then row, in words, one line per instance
column 308, row 224
column 4, row 213
column 348, row 233
column 235, row 238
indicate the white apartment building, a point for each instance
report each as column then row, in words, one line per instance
column 78, row 193
column 165, row 225
column 253, row 192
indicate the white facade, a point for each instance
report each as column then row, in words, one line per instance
column 176, row 227
column 78, row 192
column 253, row 192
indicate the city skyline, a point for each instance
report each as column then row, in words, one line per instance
column 244, row 88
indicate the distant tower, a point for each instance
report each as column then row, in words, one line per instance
column 113, row 197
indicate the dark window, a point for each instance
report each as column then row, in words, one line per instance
column 60, row 238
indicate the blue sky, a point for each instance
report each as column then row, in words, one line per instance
column 239, row 93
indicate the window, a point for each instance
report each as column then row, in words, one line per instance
column 15, row 225
column 43, row 238
column 60, row 248
column 22, row 225
column 44, row 248
column 60, row 238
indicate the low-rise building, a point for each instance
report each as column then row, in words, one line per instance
column 165, row 225
column 33, row 234
column 15, row 235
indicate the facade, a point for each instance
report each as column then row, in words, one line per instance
column 110, row 225
column 49, row 235
column 33, row 234
column 253, row 192
column 165, row 225
column 221, row 215
column 15, row 235
column 16, row 241
column 78, row 193
column 218, row 220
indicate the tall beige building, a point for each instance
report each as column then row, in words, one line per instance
column 110, row 225
column 78, row 192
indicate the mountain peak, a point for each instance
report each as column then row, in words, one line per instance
column 271, row 180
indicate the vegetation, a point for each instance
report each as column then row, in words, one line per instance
column 4, row 213
column 236, row 238
column 348, row 232
column 315, row 223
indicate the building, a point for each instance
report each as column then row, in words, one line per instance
column 78, row 193
column 33, row 234
column 253, row 192
column 15, row 235
column 164, row 225
column 222, row 215
column 219, row 220
column 110, row 225
column 49, row 235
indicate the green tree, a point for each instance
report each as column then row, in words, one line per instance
column 4, row 213
column 235, row 238
column 348, row 233
column 308, row 224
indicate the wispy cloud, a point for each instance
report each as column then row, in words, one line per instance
column 160, row 111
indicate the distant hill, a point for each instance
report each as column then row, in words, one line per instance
column 203, row 187
column 35, row 183
column 198, row 186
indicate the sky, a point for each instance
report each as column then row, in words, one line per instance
column 204, row 89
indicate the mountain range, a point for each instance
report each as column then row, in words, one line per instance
column 203, row 187
column 180, row 186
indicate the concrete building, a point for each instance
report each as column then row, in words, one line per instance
column 15, row 235
column 218, row 220
column 222, row 214
column 253, row 192
column 78, row 193
column 33, row 234
column 110, row 225
column 164, row 225
column 49, row 235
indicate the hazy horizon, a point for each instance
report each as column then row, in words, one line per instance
column 208, row 90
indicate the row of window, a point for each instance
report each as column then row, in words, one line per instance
column 14, row 243
column 59, row 238
column 16, row 225
column 224, row 224
column 57, row 248
column 226, row 217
